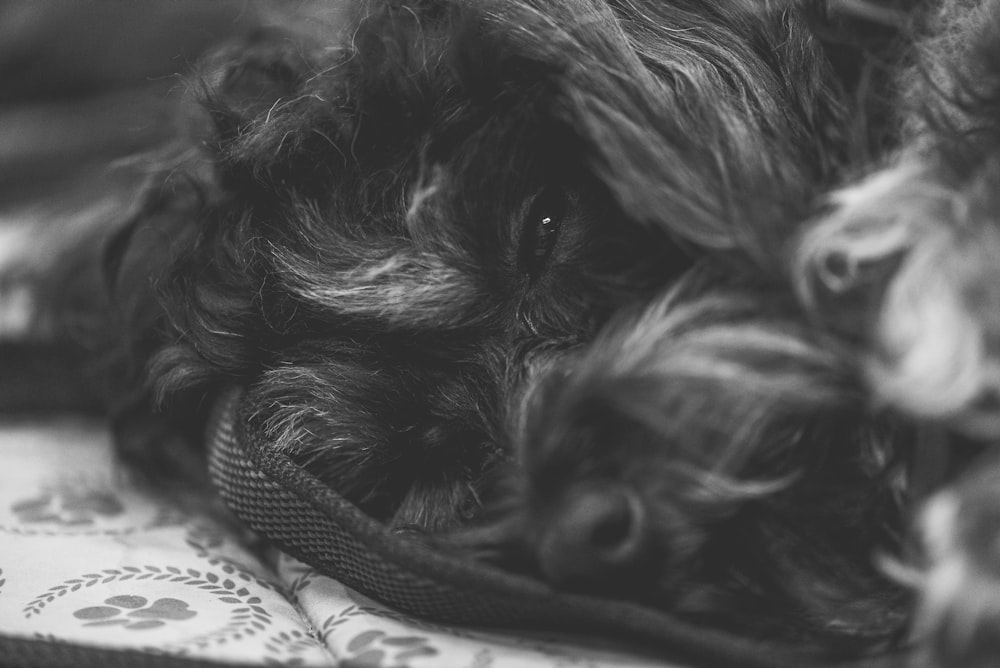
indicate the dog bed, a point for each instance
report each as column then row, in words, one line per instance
column 97, row 571
column 307, row 519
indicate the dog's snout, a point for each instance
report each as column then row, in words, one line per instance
column 598, row 532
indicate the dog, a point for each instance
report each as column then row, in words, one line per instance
column 514, row 274
column 900, row 272
column 330, row 251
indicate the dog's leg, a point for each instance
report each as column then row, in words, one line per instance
column 905, row 268
column 910, row 260
column 958, row 618
column 905, row 262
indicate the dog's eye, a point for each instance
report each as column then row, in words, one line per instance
column 541, row 228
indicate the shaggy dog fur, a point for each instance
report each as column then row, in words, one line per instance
column 515, row 275
column 903, row 272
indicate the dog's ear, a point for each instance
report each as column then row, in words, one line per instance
column 260, row 114
column 287, row 105
column 245, row 79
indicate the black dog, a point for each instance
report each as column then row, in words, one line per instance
column 403, row 234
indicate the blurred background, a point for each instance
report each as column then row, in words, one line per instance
column 89, row 93
column 84, row 82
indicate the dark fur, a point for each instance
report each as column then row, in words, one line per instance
column 724, row 456
column 357, row 250
column 354, row 232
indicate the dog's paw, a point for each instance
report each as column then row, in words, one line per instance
column 904, row 266
column 958, row 618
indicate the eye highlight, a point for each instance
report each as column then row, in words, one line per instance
column 541, row 229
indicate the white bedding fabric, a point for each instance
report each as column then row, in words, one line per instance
column 87, row 558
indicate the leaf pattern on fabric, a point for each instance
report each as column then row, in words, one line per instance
column 290, row 647
column 246, row 618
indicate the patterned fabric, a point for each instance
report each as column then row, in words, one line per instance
column 87, row 558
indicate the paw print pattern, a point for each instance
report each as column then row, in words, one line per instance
column 377, row 649
column 68, row 508
column 132, row 613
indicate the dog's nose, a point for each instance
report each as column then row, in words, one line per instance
column 597, row 535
